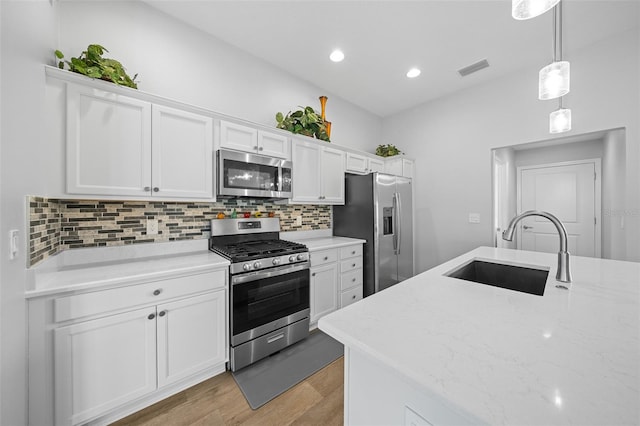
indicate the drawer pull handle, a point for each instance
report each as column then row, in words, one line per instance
column 151, row 316
column 162, row 313
column 156, row 292
column 326, row 258
column 274, row 338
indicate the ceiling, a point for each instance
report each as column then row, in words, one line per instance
column 383, row 39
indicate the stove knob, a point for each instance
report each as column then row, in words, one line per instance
column 301, row 257
column 246, row 266
column 292, row 258
column 257, row 265
column 276, row 261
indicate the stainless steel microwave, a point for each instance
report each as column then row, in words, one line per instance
column 251, row 175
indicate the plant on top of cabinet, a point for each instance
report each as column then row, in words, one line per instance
column 387, row 150
column 92, row 64
column 304, row 121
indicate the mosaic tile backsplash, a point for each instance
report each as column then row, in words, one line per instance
column 57, row 225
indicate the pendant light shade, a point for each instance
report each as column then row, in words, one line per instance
column 554, row 80
column 560, row 120
column 527, row 9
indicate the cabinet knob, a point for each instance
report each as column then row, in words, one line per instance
column 147, row 189
column 156, row 189
column 353, row 252
column 162, row 313
column 326, row 258
column 353, row 297
column 353, row 265
column 151, row 316
column 255, row 147
column 260, row 149
column 353, row 280
column 313, row 275
column 157, row 291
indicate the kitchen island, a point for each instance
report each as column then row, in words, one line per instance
column 440, row 350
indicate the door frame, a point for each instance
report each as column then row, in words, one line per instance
column 597, row 188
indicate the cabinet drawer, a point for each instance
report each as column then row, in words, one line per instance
column 351, row 251
column 324, row 256
column 351, row 279
column 350, row 296
column 351, row 264
column 98, row 302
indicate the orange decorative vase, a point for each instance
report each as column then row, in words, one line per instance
column 323, row 105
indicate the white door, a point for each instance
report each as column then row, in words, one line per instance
column 306, row 171
column 570, row 191
column 239, row 137
column 108, row 143
column 332, row 174
column 273, row 145
column 324, row 291
column 182, row 154
column 103, row 363
column 191, row 336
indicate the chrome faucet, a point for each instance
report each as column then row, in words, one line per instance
column 564, row 272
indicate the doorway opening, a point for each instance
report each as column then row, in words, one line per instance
column 554, row 173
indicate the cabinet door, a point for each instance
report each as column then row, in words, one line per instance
column 191, row 336
column 306, row 172
column 332, row 174
column 407, row 168
column 103, row 363
column 356, row 163
column 273, row 145
column 108, row 143
column 393, row 166
column 324, row 291
column 182, row 154
column 376, row 165
column 238, row 137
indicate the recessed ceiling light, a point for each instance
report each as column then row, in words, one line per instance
column 413, row 73
column 336, row 55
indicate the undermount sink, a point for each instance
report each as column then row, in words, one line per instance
column 526, row 279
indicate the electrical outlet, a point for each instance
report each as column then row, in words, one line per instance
column 298, row 220
column 152, row 226
column 474, row 217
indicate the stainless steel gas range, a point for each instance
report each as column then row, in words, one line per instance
column 269, row 287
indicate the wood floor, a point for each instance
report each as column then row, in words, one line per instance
column 318, row 400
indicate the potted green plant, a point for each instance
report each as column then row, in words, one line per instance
column 92, row 64
column 387, row 150
column 304, row 121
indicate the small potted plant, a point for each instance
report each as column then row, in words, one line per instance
column 387, row 150
column 304, row 121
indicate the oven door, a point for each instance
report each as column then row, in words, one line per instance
column 264, row 301
column 250, row 175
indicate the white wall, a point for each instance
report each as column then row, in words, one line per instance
column 28, row 37
column 452, row 137
column 185, row 64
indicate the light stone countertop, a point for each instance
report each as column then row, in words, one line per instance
column 322, row 243
column 505, row 357
column 104, row 267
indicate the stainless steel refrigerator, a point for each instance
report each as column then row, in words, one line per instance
column 378, row 208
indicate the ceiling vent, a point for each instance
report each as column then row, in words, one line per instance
column 473, row 68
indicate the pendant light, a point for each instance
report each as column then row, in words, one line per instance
column 560, row 120
column 554, row 79
column 527, row 9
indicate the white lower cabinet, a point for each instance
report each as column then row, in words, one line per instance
column 336, row 279
column 118, row 350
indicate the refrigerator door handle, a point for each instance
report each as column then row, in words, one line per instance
column 398, row 229
column 394, row 220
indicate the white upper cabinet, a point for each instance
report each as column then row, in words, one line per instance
column 122, row 146
column 318, row 173
column 399, row 166
column 108, row 143
column 182, row 154
column 248, row 139
column 361, row 164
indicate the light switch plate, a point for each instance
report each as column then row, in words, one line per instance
column 474, row 217
column 13, row 243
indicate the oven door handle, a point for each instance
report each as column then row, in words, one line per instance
column 273, row 272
